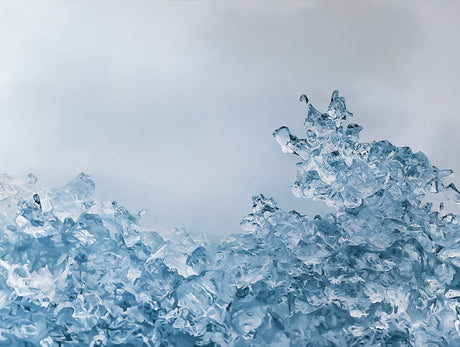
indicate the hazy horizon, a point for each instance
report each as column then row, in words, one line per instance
column 171, row 106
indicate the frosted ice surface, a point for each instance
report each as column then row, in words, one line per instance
column 383, row 269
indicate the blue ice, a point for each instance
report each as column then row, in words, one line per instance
column 382, row 270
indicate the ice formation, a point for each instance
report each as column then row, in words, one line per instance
column 383, row 269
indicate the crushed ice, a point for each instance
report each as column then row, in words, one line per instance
column 384, row 269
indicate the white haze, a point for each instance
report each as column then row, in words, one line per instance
column 170, row 106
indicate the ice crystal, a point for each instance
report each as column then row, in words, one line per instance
column 383, row 269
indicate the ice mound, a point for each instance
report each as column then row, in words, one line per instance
column 382, row 270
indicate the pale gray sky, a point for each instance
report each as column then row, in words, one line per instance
column 170, row 106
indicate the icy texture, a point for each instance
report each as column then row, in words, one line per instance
column 382, row 270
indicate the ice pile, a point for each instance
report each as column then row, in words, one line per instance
column 382, row 270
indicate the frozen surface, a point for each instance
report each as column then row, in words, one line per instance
column 383, row 269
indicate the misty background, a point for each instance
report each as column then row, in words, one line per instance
column 170, row 106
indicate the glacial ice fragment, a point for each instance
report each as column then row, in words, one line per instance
column 383, row 269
